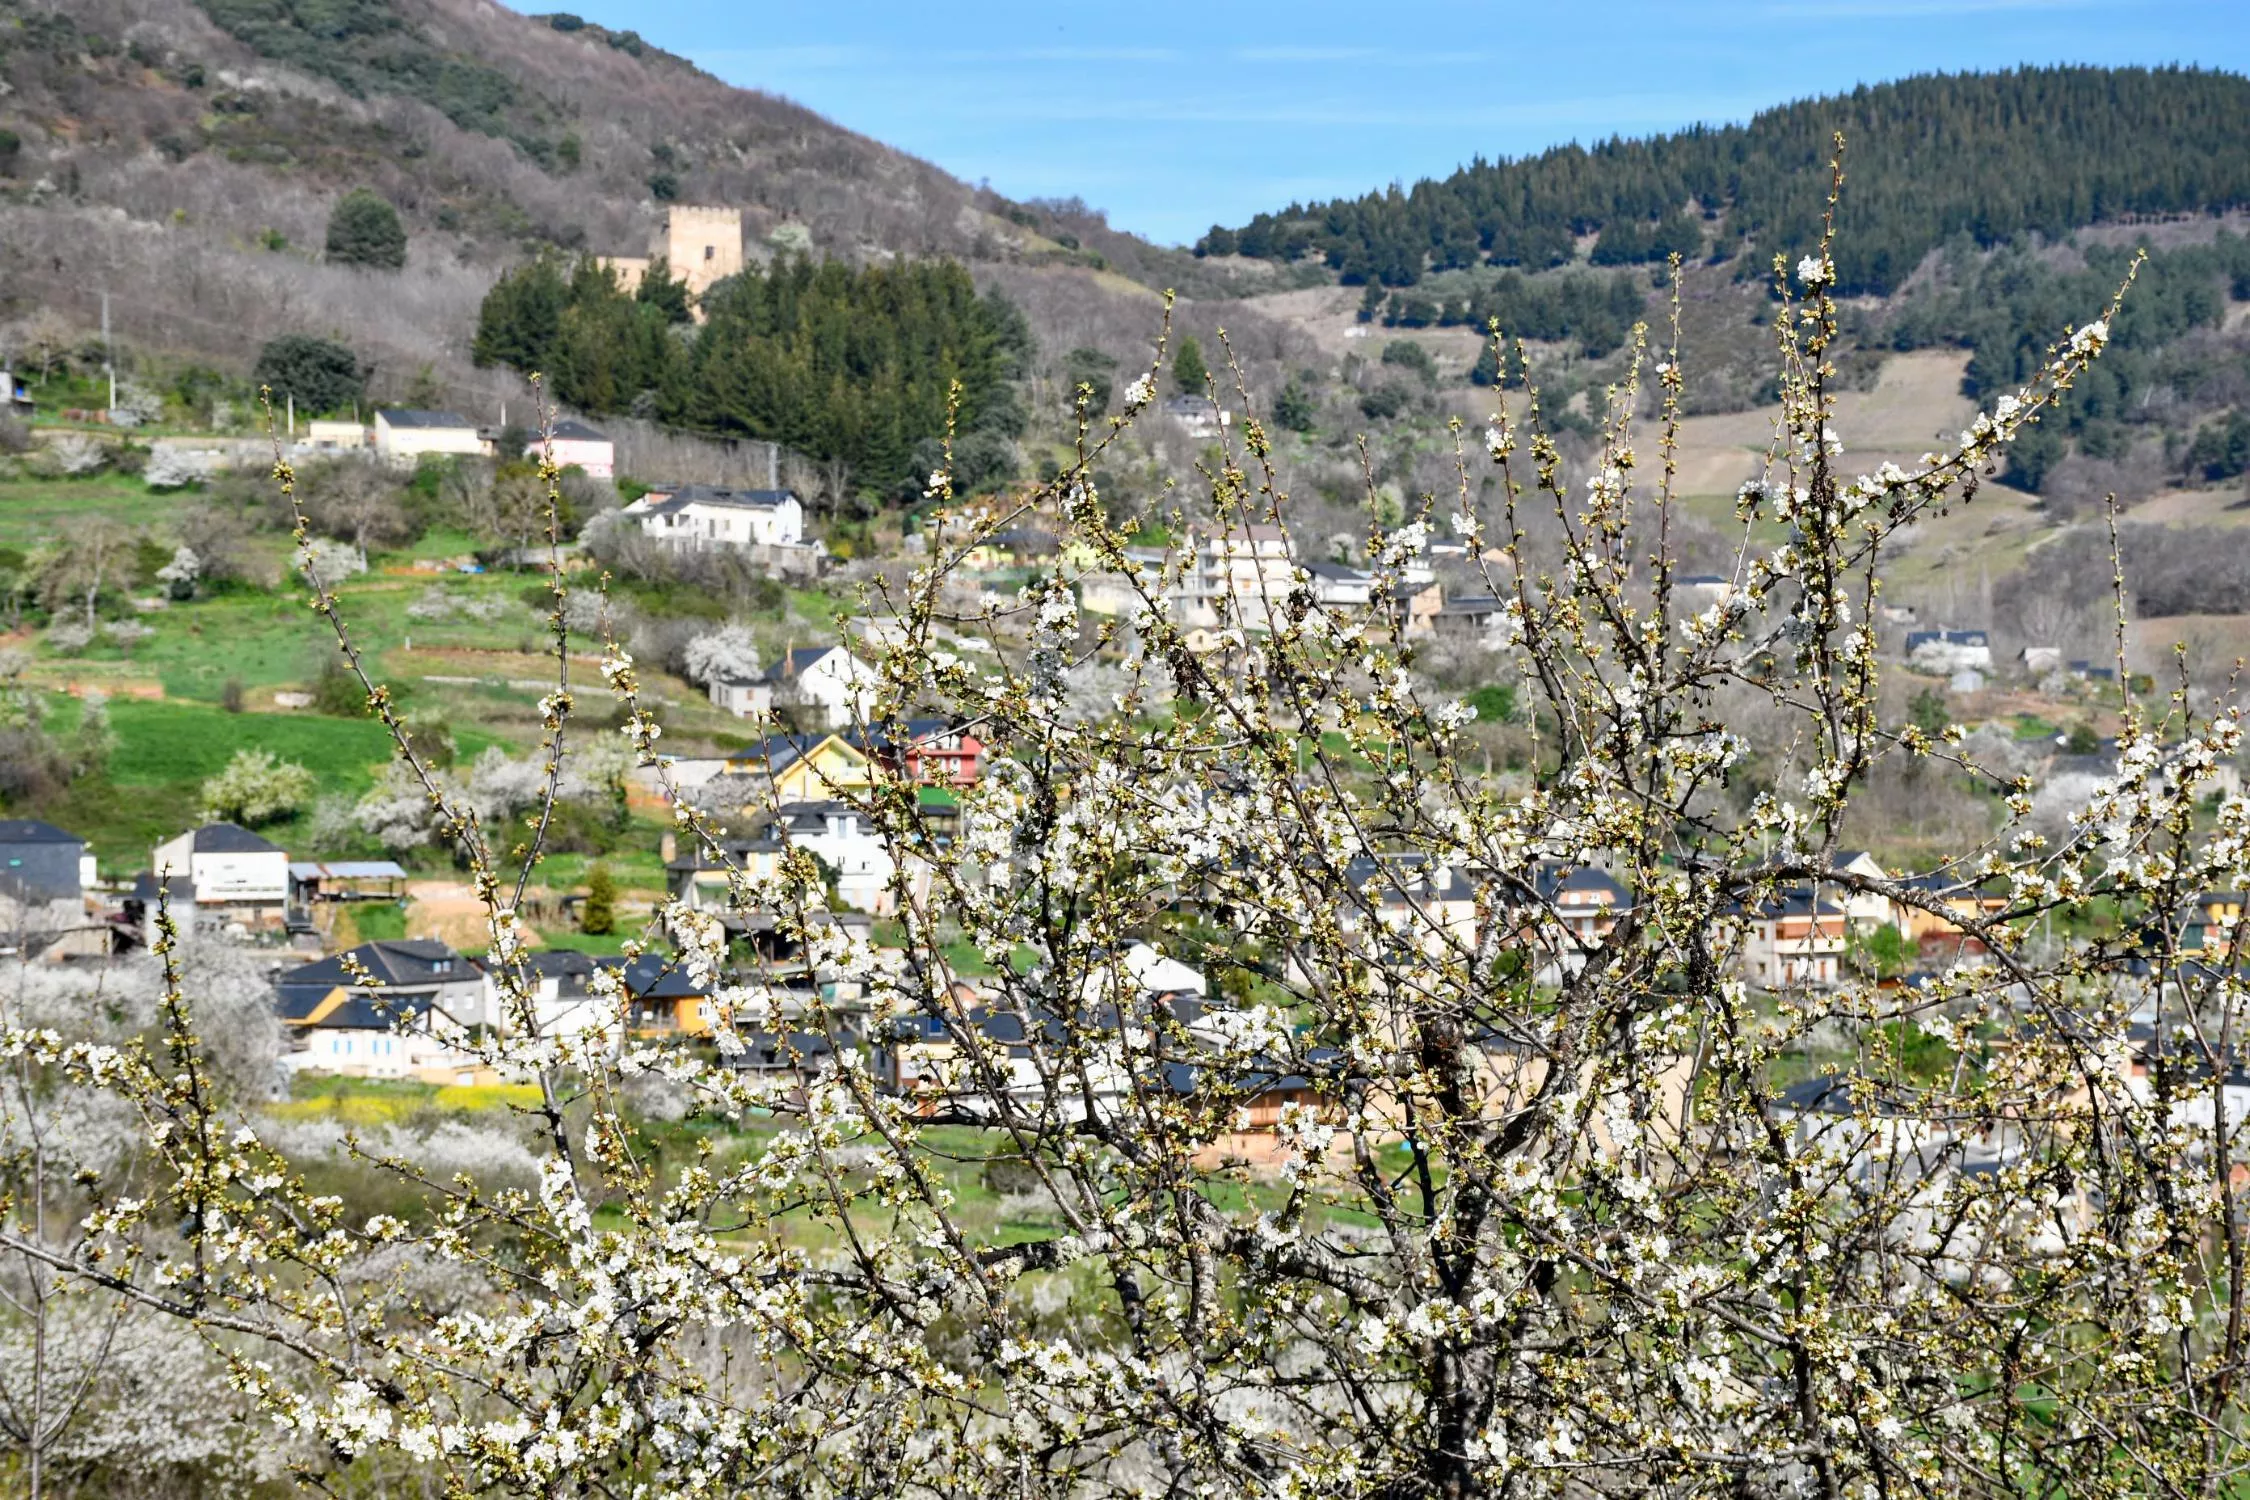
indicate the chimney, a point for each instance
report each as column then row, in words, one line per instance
column 773, row 466
column 668, row 847
column 789, row 658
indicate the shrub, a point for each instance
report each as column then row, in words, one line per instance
column 337, row 692
column 364, row 230
column 257, row 787
column 598, row 916
column 321, row 374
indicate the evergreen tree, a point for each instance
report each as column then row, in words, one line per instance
column 839, row 363
column 1993, row 155
column 318, row 374
column 364, row 230
column 598, row 914
column 1189, row 374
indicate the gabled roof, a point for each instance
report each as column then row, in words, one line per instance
column 398, row 963
column 1946, row 638
column 1577, row 885
column 1840, row 1094
column 778, row 752
column 1338, row 572
column 406, row 416
column 576, row 432
column 335, row 1008
column 655, row 977
column 1794, row 901
column 231, row 838
column 32, row 831
column 713, row 495
column 794, row 663
column 1472, row 604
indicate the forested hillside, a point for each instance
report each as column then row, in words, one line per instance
column 186, row 158
column 1994, row 155
column 850, row 367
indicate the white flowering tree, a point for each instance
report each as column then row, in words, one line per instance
column 1439, row 1192
column 728, row 654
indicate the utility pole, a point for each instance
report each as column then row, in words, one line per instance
column 109, row 355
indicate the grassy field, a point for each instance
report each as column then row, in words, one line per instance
column 165, row 750
column 31, row 510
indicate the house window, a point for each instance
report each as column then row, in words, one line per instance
column 710, row 252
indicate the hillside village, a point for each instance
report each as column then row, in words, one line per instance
column 375, row 975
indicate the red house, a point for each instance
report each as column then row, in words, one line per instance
column 933, row 752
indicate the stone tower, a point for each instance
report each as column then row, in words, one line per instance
column 701, row 243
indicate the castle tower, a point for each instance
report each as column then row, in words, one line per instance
column 701, row 245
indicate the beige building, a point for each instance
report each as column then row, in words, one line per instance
column 403, row 436
column 700, row 244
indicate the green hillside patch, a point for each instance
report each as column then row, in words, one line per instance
column 32, row 510
column 152, row 786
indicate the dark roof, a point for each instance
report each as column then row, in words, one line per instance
column 295, row 1004
column 1793, row 901
column 784, row 1049
column 1946, row 638
column 711, row 494
column 180, row 888
column 576, row 432
column 554, row 963
column 1839, row 1094
column 32, row 831
column 1553, row 881
column 778, row 751
column 231, row 838
column 1343, row 572
column 790, row 663
column 655, row 977
column 403, row 416
column 1472, row 604
column 919, row 733
column 399, row 963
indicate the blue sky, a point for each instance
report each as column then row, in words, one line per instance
column 1173, row 115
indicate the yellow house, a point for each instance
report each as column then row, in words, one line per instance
column 806, row 767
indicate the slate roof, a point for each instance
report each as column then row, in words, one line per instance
column 399, row 963
column 32, row 831
column 1340, row 572
column 1553, row 882
column 792, row 663
column 711, row 494
column 578, row 432
column 403, row 416
column 655, row 977
column 231, row 838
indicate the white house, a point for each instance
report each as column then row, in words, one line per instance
column 1795, row 941
column 580, row 447
column 1339, row 585
column 233, row 880
column 402, row 435
column 741, row 696
column 827, row 679
column 699, row 517
column 386, row 1009
column 1864, row 911
column 1948, row 652
column 835, row 832
column 1246, row 570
